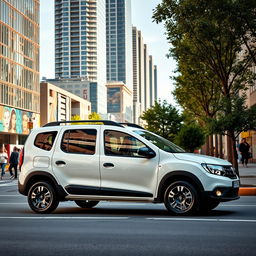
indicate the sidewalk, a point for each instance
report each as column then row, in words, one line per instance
column 248, row 175
column 247, row 180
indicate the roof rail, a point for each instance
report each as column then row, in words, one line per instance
column 132, row 125
column 105, row 122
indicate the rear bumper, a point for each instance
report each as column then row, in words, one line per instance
column 222, row 194
column 21, row 188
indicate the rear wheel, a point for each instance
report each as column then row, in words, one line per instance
column 181, row 198
column 86, row 203
column 42, row 197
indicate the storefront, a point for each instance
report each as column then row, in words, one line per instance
column 14, row 126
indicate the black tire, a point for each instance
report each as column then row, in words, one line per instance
column 42, row 197
column 86, row 203
column 209, row 205
column 181, row 198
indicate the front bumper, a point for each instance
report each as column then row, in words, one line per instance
column 222, row 194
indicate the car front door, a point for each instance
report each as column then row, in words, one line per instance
column 124, row 172
column 76, row 160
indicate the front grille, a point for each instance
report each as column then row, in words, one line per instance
column 230, row 172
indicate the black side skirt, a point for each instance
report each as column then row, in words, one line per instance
column 88, row 190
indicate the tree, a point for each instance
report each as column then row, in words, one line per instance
column 197, row 91
column 75, row 118
column 216, row 41
column 94, row 116
column 190, row 137
column 163, row 119
column 241, row 119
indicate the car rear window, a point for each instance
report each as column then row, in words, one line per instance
column 45, row 140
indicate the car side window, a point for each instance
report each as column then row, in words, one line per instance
column 79, row 141
column 45, row 140
column 121, row 144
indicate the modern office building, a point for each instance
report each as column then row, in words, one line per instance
column 19, row 69
column 144, row 77
column 79, row 86
column 58, row 104
column 80, row 45
column 119, row 102
column 119, row 41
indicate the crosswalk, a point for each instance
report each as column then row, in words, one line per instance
column 8, row 183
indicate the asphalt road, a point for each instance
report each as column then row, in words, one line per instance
column 123, row 229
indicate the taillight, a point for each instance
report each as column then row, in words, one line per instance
column 21, row 158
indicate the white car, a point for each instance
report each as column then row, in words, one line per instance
column 91, row 162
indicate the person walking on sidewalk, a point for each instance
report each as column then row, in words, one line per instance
column 3, row 160
column 14, row 160
column 244, row 150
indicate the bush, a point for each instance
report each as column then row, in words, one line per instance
column 190, row 137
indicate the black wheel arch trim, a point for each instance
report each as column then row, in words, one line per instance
column 175, row 174
column 36, row 175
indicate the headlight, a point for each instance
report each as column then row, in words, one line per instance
column 214, row 169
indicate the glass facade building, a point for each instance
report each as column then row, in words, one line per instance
column 19, row 65
column 144, row 77
column 80, row 39
column 119, row 41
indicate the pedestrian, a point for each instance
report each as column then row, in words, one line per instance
column 239, row 156
column 3, row 160
column 244, row 150
column 14, row 160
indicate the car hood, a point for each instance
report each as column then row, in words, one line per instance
column 201, row 158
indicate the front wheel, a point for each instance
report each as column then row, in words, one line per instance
column 86, row 203
column 42, row 197
column 181, row 198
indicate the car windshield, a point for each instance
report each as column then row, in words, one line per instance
column 160, row 142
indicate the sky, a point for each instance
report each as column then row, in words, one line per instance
column 153, row 35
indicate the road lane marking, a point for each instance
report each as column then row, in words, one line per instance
column 18, row 195
column 238, row 205
column 127, row 218
column 66, row 218
column 205, row 220
column 8, row 185
column 13, row 203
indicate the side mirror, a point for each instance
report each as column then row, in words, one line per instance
column 146, row 152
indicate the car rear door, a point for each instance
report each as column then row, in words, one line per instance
column 75, row 160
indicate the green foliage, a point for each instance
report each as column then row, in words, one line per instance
column 239, row 119
column 163, row 119
column 95, row 116
column 92, row 116
column 214, row 43
column 190, row 137
column 209, row 33
column 197, row 88
column 75, row 118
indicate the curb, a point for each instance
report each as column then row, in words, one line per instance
column 247, row 191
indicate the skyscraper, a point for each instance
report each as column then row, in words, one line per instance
column 144, row 77
column 80, row 45
column 119, row 41
column 19, row 69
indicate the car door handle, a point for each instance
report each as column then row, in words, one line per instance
column 60, row 163
column 108, row 165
